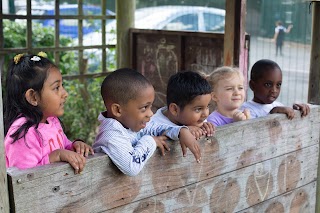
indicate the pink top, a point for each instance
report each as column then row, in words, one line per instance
column 34, row 149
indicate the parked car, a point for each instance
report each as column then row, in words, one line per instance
column 68, row 27
column 187, row 18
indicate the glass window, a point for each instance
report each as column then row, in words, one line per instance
column 213, row 22
column 184, row 22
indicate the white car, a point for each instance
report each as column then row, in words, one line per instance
column 186, row 18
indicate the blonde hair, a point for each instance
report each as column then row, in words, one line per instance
column 223, row 73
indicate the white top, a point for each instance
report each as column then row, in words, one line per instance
column 278, row 28
column 160, row 118
column 259, row 110
column 127, row 149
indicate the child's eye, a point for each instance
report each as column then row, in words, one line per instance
column 279, row 85
column 198, row 109
column 240, row 88
column 268, row 84
column 57, row 88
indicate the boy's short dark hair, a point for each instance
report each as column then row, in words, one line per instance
column 123, row 85
column 184, row 86
column 262, row 66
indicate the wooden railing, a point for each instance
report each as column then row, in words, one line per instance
column 260, row 165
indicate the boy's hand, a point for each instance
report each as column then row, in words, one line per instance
column 187, row 140
column 197, row 132
column 161, row 142
column 208, row 129
column 82, row 148
column 303, row 108
column 284, row 110
column 76, row 160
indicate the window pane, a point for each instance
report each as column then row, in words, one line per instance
column 184, row 22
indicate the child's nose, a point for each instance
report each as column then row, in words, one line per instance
column 65, row 94
column 150, row 113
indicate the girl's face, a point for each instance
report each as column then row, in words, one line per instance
column 267, row 88
column 229, row 94
column 53, row 96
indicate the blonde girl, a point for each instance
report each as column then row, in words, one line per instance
column 228, row 94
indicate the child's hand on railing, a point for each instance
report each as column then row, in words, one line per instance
column 82, row 148
column 187, row 140
column 77, row 161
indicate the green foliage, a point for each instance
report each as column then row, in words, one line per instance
column 84, row 102
column 83, row 106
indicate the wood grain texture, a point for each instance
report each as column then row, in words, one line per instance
column 301, row 199
column 244, row 164
column 239, row 189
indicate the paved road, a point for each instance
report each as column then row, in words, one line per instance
column 295, row 65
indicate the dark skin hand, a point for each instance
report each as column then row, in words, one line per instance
column 283, row 110
column 303, row 108
column 161, row 142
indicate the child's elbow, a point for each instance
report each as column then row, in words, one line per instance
column 131, row 172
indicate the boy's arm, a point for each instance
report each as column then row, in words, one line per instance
column 181, row 133
column 284, row 110
column 118, row 146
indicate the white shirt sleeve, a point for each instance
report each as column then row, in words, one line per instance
column 128, row 154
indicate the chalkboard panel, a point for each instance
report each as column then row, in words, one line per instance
column 203, row 54
column 158, row 54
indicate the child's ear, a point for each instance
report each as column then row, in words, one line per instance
column 116, row 109
column 214, row 97
column 32, row 97
column 173, row 109
column 251, row 85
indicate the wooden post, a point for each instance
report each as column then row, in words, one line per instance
column 125, row 20
column 314, row 76
column 4, row 196
column 234, row 34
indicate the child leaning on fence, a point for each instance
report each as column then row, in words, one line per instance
column 265, row 82
column 188, row 101
column 34, row 99
column 228, row 94
column 125, row 133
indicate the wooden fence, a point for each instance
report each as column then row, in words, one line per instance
column 260, row 165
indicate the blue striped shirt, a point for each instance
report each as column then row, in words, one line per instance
column 129, row 150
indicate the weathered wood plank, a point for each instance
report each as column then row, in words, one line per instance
column 301, row 199
column 101, row 186
column 239, row 189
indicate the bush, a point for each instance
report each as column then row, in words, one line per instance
column 84, row 102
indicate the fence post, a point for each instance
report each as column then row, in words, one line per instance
column 234, row 34
column 125, row 20
column 314, row 76
column 4, row 195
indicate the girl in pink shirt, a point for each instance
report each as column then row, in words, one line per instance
column 34, row 100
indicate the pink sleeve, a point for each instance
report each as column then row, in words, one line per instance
column 66, row 141
column 25, row 155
